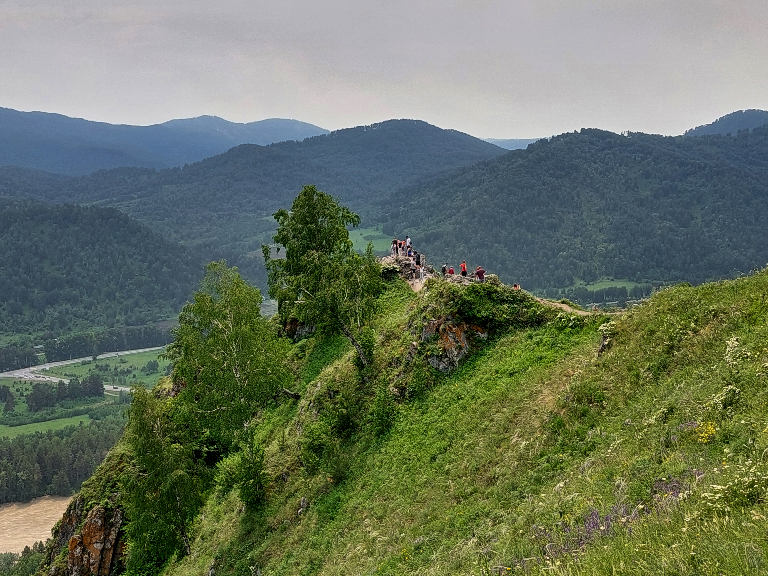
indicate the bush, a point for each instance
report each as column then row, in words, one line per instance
column 383, row 412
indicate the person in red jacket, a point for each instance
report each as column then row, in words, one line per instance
column 450, row 271
column 463, row 267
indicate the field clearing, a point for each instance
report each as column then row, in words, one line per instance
column 361, row 236
column 128, row 364
column 24, row 524
column 606, row 283
column 58, row 424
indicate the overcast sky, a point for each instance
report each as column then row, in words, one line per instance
column 504, row 69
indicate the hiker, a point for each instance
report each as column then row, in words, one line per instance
column 450, row 271
column 515, row 286
column 394, row 246
column 464, row 268
column 418, row 258
column 407, row 241
column 410, row 253
column 444, row 269
column 480, row 274
column 413, row 270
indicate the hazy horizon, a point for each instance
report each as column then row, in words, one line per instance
column 494, row 69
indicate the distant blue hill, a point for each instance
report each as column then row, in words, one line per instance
column 73, row 146
column 732, row 123
column 512, row 143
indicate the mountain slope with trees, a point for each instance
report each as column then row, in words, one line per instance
column 67, row 268
column 72, row 146
column 540, row 452
column 222, row 206
column 731, row 124
column 593, row 204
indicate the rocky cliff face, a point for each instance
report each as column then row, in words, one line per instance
column 90, row 537
column 98, row 549
column 87, row 543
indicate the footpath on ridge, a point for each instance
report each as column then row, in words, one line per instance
column 403, row 265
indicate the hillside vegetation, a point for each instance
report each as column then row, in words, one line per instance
column 68, row 269
column 591, row 205
column 222, row 207
column 732, row 123
column 536, row 455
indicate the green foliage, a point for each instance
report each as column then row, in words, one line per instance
column 492, row 307
column 24, row 564
column 54, row 461
column 383, row 412
column 228, row 363
column 163, row 489
column 81, row 267
column 244, row 470
column 593, row 204
column 227, row 357
column 322, row 281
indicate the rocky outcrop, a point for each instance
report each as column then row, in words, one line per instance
column 86, row 545
column 64, row 531
column 453, row 341
column 97, row 550
column 399, row 265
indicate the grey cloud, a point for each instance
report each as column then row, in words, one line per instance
column 519, row 68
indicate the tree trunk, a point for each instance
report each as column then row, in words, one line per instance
column 356, row 344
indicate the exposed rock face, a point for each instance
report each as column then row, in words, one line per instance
column 66, row 529
column 99, row 546
column 453, row 340
column 296, row 331
column 402, row 266
column 94, row 544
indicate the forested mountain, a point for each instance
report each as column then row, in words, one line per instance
column 64, row 268
column 73, row 146
column 732, row 123
column 223, row 205
column 595, row 204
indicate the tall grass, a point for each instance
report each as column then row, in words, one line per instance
column 536, row 456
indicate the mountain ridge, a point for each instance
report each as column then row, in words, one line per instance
column 74, row 146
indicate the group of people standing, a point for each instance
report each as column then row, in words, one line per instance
column 405, row 248
column 479, row 273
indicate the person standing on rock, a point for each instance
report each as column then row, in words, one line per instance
column 394, row 246
column 464, row 268
column 413, row 270
column 444, row 269
column 407, row 241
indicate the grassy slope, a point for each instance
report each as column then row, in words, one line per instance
column 58, row 424
column 535, row 456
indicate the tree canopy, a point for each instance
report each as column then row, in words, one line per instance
column 321, row 281
column 228, row 359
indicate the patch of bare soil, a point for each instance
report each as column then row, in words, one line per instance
column 24, row 524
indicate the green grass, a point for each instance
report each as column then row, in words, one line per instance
column 536, row 456
column 13, row 431
column 361, row 236
column 129, row 364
